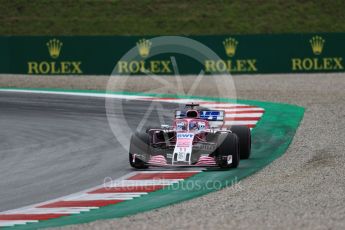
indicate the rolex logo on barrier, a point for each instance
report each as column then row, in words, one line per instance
column 314, row 64
column 144, row 47
column 230, row 45
column 316, row 43
column 144, row 66
column 54, row 48
column 231, row 65
column 54, row 67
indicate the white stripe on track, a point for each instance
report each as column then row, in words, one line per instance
column 243, row 109
column 216, row 123
column 240, row 122
column 243, row 114
column 105, row 196
column 102, row 95
column 8, row 223
column 63, row 210
column 140, row 183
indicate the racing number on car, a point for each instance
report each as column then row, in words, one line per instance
column 181, row 156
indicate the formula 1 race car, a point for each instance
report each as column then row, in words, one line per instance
column 191, row 141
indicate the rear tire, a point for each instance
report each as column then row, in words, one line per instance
column 244, row 135
column 229, row 146
column 139, row 144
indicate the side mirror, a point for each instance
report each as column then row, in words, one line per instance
column 165, row 126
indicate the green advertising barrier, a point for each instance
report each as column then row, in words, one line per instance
column 238, row 54
column 5, row 55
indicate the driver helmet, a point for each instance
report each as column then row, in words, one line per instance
column 180, row 126
column 193, row 125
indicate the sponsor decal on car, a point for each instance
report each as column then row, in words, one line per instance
column 183, row 148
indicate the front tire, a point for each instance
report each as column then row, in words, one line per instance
column 244, row 135
column 228, row 145
column 139, row 144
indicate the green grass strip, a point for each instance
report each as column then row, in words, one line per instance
column 128, row 17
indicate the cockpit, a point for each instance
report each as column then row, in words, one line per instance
column 190, row 125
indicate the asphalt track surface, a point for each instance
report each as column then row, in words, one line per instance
column 54, row 145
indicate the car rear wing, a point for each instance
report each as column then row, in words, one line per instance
column 209, row 115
